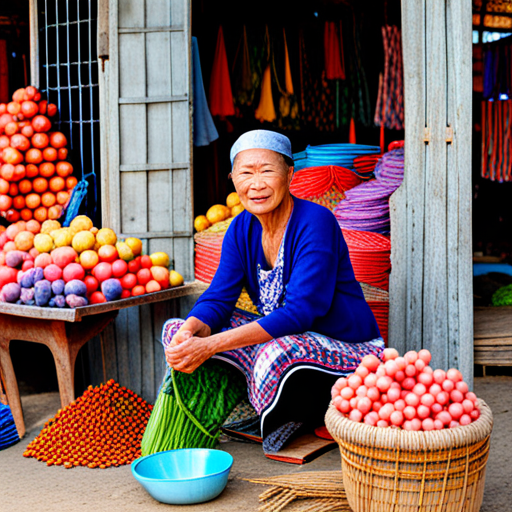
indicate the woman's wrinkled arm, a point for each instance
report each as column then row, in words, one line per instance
column 194, row 351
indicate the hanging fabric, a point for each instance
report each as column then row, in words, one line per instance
column 241, row 71
column 266, row 110
column 317, row 98
column 333, row 51
column 221, row 96
column 497, row 140
column 203, row 127
column 390, row 104
column 497, row 64
column 288, row 103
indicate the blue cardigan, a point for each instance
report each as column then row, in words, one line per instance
column 321, row 292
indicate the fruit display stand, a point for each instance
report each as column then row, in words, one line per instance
column 64, row 332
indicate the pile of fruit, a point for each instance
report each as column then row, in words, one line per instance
column 405, row 392
column 48, row 265
column 102, row 428
column 35, row 178
column 219, row 212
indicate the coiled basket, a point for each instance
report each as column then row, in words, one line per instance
column 393, row 470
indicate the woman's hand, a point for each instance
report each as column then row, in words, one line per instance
column 189, row 354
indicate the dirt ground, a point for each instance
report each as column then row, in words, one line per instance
column 27, row 485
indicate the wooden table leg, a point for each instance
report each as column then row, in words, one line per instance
column 64, row 339
column 11, row 386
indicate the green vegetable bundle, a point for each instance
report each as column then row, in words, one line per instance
column 191, row 408
column 503, row 296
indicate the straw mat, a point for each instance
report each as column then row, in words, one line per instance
column 315, row 491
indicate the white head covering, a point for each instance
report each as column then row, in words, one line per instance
column 262, row 139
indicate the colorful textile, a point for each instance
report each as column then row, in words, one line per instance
column 262, row 139
column 497, row 79
column 266, row 110
column 264, row 365
column 322, row 294
column 221, row 96
column 333, row 51
column 204, row 128
column 370, row 254
column 366, row 207
column 8, row 432
column 497, row 140
column 390, row 102
column 342, row 155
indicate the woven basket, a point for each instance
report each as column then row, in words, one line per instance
column 393, row 470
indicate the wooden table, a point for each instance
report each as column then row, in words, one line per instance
column 493, row 336
column 64, row 332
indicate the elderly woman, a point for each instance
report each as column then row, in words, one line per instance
column 290, row 255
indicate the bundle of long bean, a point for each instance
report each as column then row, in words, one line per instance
column 191, row 408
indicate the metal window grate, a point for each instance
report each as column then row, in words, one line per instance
column 69, row 78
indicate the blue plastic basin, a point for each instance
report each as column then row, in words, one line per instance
column 184, row 477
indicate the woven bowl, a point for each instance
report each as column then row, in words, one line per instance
column 393, row 470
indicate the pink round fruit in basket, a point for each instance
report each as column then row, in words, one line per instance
column 454, row 375
column 347, row 393
column 439, row 376
column 396, row 418
column 371, row 362
column 361, row 391
column 364, row 405
column 385, row 411
column 354, row 381
column 401, row 363
column 423, row 411
column 427, row 399
column 436, row 408
column 391, row 368
column 384, row 383
column 448, row 385
column 382, row 423
column 389, row 354
column 427, row 424
column 444, row 417
column 435, row 389
column 456, row 396
column 462, row 387
column 465, row 419
column 399, row 376
column 419, row 389
column 442, row 398
column 408, row 383
column 362, row 371
column 468, row 405
column 411, row 356
column 425, row 355
column 425, row 378
column 420, row 365
column 400, row 405
column 370, row 381
column 409, row 412
column 412, row 399
column 456, row 410
column 356, row 415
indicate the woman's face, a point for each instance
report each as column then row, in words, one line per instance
column 261, row 178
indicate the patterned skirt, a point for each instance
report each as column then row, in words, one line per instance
column 269, row 366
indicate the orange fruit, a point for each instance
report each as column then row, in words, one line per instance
column 58, row 140
column 33, row 156
column 33, row 201
column 54, row 212
column 47, row 169
column 64, row 169
column 18, row 202
column 50, row 154
column 13, row 190
column 107, row 253
column 62, row 154
column 4, row 186
column 33, row 226
column 25, row 186
column 41, row 214
column 40, row 185
column 71, row 182
column 48, row 199
column 57, row 184
column 62, row 197
column 89, row 259
column 5, row 202
column 12, row 216
column 26, row 214
column 40, row 140
column 32, row 170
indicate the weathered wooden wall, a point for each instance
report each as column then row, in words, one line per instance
column 431, row 302
column 146, row 175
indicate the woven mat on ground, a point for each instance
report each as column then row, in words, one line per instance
column 315, row 491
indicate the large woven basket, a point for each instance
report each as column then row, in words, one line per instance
column 393, row 470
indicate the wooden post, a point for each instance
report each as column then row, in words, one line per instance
column 431, row 280
column 34, row 44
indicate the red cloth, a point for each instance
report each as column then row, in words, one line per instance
column 352, row 132
column 315, row 181
column 333, row 49
column 221, row 96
